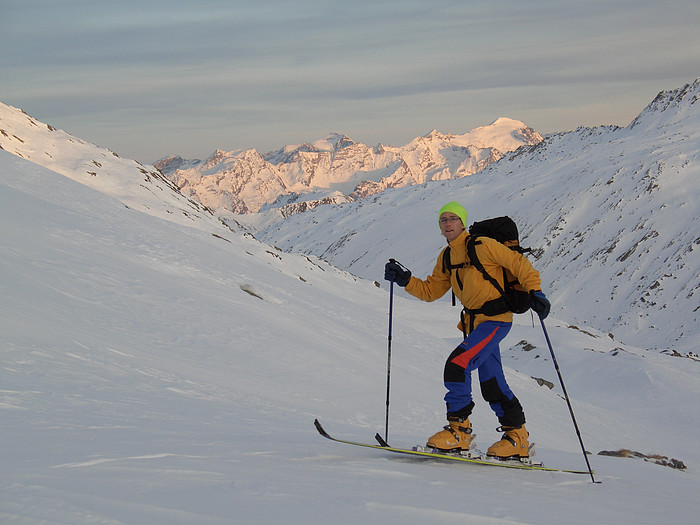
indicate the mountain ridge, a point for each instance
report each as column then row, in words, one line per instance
column 338, row 169
column 137, row 185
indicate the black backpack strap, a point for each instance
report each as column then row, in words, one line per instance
column 446, row 263
column 447, row 266
column 473, row 259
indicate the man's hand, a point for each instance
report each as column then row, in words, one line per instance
column 396, row 272
column 540, row 304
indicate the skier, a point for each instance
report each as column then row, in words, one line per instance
column 479, row 350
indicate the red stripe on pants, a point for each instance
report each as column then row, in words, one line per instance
column 462, row 360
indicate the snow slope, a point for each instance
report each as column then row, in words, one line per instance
column 154, row 372
column 136, row 185
column 613, row 215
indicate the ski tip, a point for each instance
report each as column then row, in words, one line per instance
column 320, row 429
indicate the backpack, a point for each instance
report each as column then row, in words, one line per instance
column 505, row 231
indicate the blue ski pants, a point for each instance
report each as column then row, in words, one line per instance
column 480, row 351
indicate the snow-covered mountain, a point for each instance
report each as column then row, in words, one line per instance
column 158, row 368
column 138, row 186
column 613, row 215
column 155, row 373
column 337, row 169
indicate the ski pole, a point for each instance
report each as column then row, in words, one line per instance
column 566, row 396
column 388, row 364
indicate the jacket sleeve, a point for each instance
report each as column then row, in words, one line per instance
column 515, row 262
column 434, row 286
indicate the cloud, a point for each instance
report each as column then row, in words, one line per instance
column 261, row 73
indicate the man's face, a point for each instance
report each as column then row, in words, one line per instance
column 450, row 226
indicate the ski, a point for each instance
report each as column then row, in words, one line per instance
column 468, row 458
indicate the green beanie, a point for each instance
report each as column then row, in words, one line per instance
column 456, row 208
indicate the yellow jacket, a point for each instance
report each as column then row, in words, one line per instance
column 476, row 289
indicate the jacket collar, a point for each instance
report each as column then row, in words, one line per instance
column 460, row 241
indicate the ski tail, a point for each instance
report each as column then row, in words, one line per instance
column 382, row 442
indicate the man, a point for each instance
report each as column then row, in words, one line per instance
column 483, row 333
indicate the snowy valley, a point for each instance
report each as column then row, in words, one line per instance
column 163, row 361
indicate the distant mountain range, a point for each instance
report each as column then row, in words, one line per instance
column 337, row 169
column 612, row 214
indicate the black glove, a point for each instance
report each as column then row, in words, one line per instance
column 540, row 304
column 396, row 272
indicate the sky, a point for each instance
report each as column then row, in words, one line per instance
column 153, row 78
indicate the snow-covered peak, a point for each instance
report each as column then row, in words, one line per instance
column 504, row 134
column 333, row 142
column 670, row 106
column 171, row 164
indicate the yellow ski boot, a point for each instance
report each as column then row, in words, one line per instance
column 455, row 436
column 514, row 443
